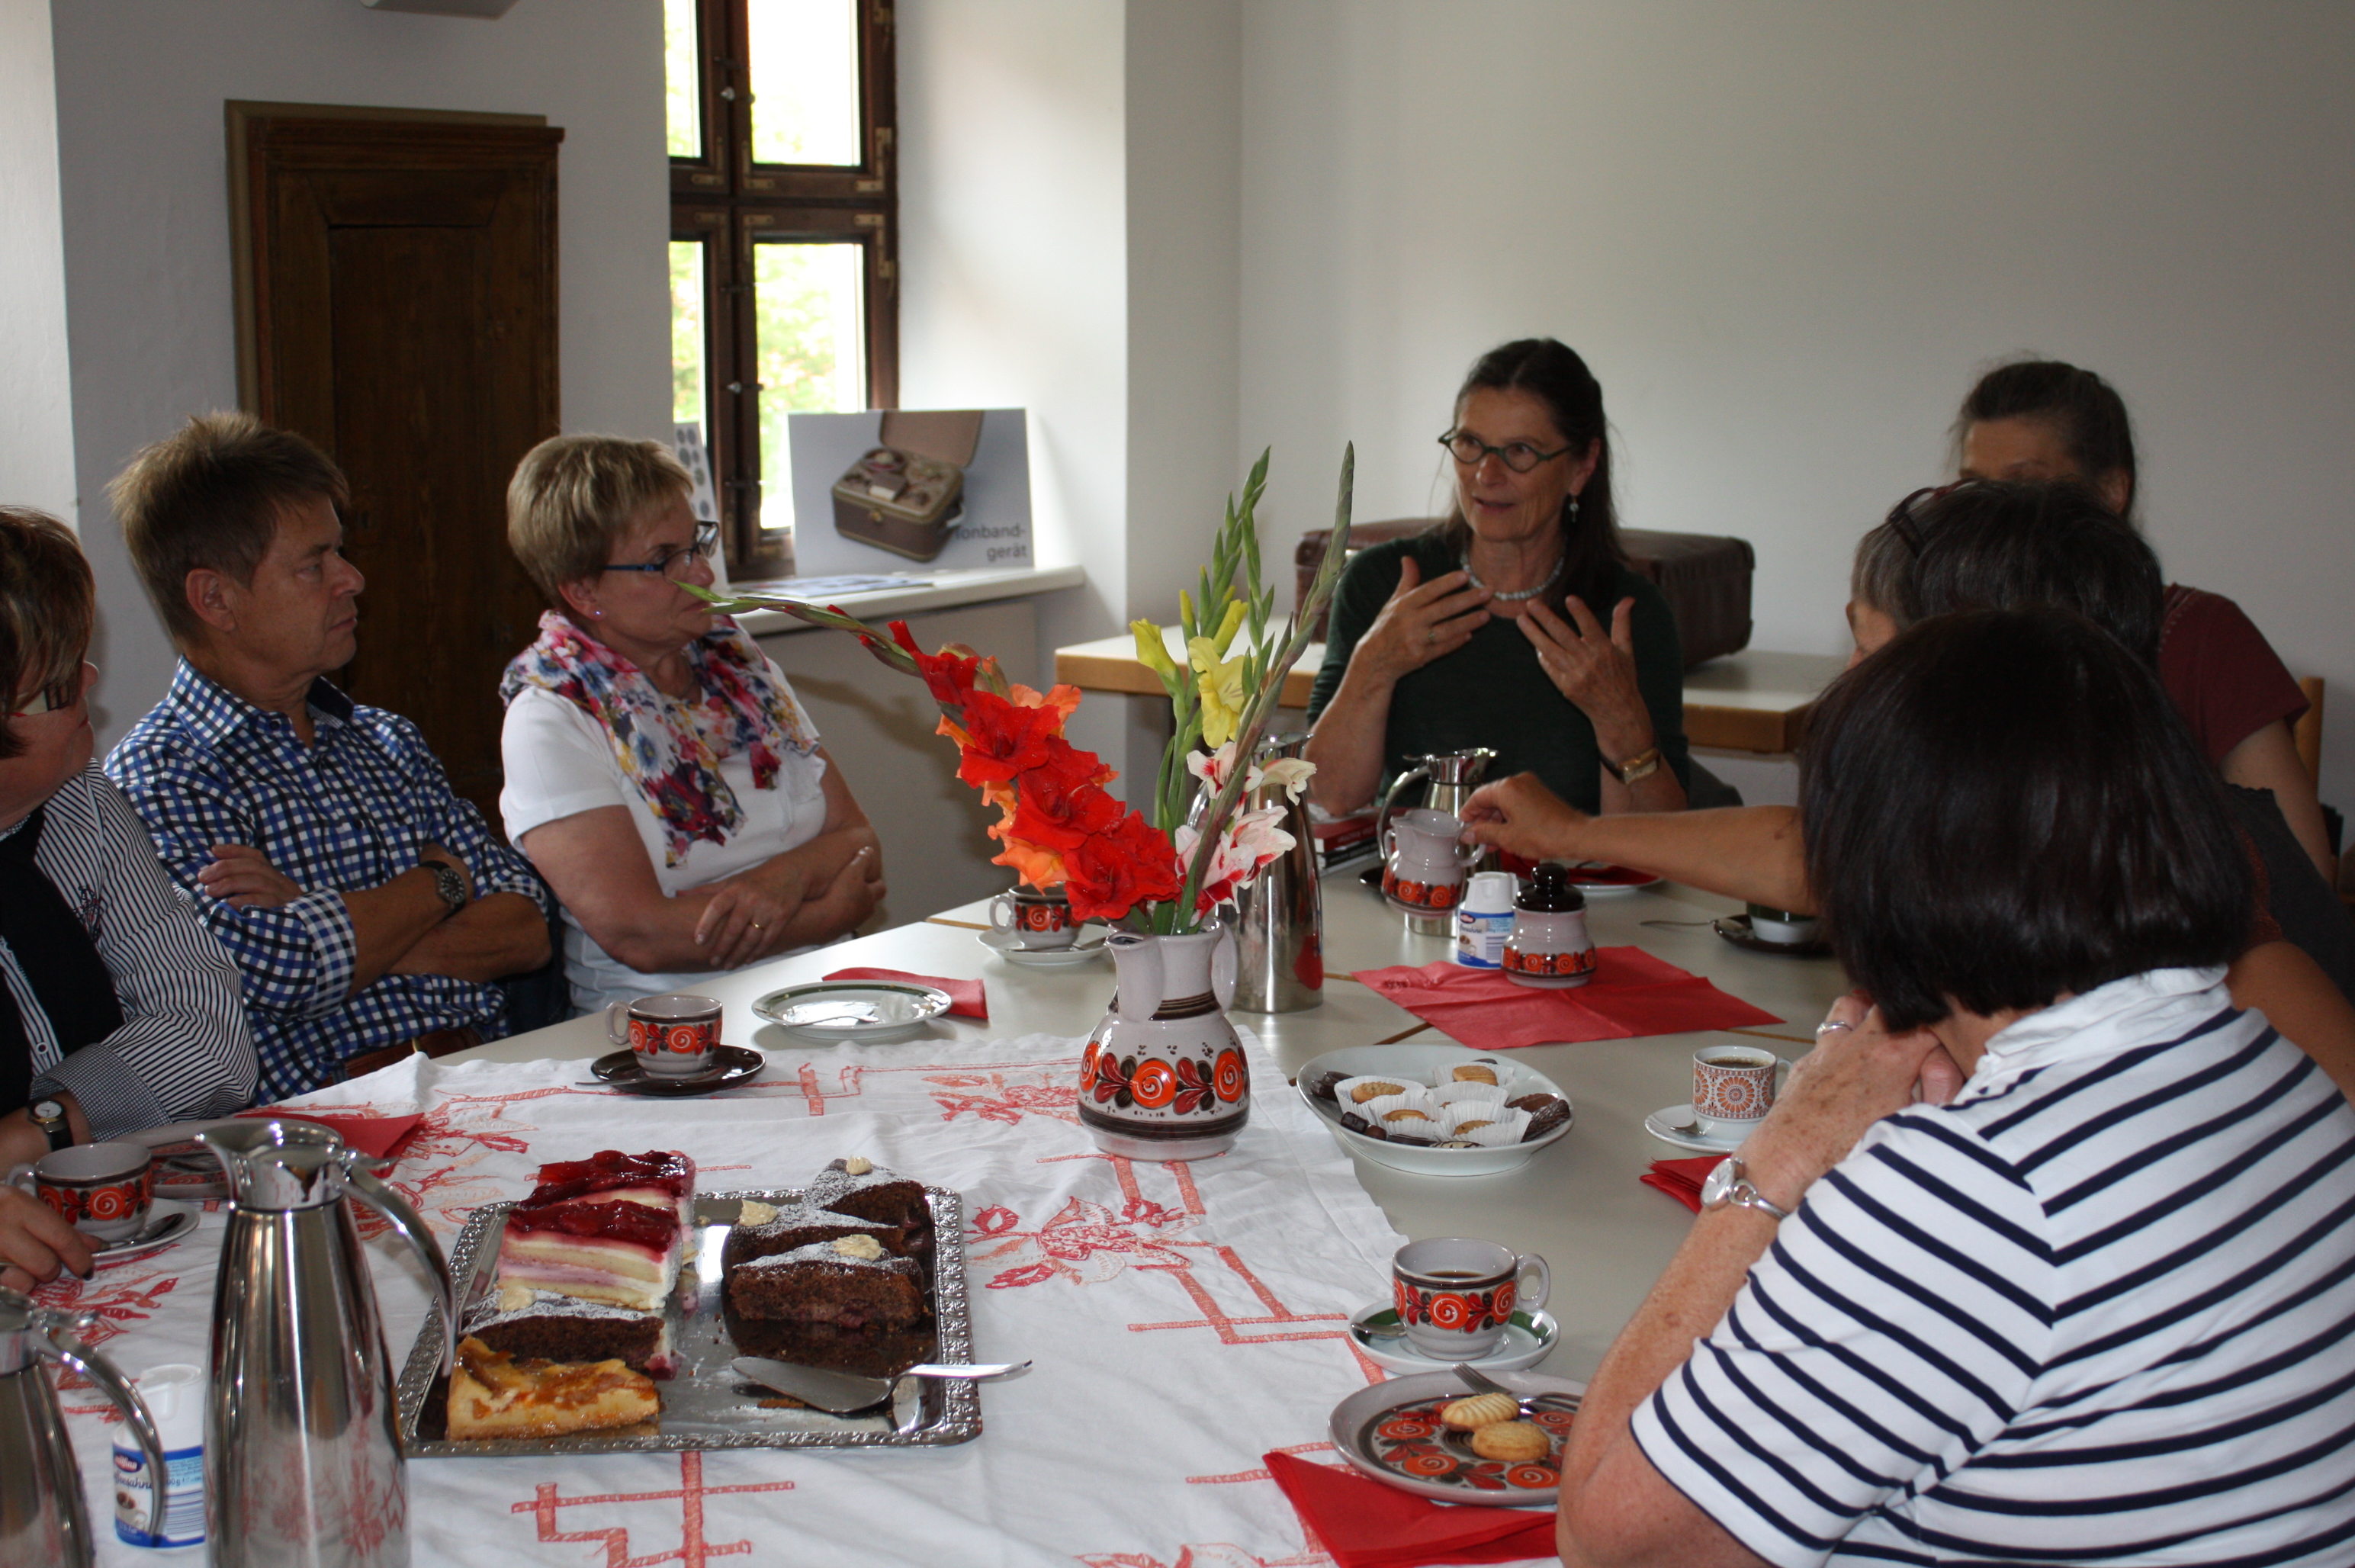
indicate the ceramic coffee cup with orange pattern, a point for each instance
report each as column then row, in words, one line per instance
column 673, row 1036
column 104, row 1189
column 1456, row 1294
column 1733, row 1088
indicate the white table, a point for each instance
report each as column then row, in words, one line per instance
column 1579, row 1204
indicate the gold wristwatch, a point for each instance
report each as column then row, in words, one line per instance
column 1642, row 766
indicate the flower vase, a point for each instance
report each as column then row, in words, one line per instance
column 1164, row 1077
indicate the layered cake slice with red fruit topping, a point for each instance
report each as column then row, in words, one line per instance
column 660, row 1179
column 612, row 1228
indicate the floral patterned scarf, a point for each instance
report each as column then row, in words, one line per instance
column 672, row 747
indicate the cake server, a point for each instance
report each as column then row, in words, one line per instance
column 839, row 1394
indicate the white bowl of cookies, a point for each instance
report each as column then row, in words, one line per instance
column 1435, row 1110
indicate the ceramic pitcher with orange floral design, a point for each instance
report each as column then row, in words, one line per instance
column 1164, row 1077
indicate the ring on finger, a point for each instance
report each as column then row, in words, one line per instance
column 1829, row 1025
column 1431, row 635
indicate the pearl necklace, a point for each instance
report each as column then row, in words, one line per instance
column 1519, row 594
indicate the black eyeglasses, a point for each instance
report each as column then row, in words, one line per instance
column 706, row 540
column 62, row 692
column 1518, row 455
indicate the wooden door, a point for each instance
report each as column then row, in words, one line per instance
column 402, row 314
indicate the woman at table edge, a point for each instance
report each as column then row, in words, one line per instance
column 1915, row 1289
column 1757, row 853
column 116, row 1024
column 661, row 774
column 1420, row 657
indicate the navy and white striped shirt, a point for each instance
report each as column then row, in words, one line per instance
column 351, row 811
column 183, row 1052
column 2101, row 1310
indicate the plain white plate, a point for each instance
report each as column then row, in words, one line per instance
column 1520, row 1348
column 853, row 1010
column 1676, row 1124
column 1358, row 1061
column 1084, row 949
column 1356, row 1420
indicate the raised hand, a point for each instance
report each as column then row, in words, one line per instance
column 1421, row 622
column 1594, row 667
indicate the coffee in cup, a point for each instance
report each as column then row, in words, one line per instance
column 1035, row 920
column 104, row 1190
column 1733, row 1088
column 673, row 1036
column 1457, row 1294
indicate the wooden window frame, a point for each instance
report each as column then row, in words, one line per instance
column 732, row 203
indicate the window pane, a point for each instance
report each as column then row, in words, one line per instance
column 805, row 81
column 810, row 326
column 687, row 339
column 682, row 78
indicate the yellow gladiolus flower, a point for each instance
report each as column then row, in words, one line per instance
column 1221, row 687
column 1152, row 651
column 1229, row 627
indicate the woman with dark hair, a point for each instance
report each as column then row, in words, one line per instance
column 2094, row 1307
column 1490, row 629
column 118, row 1012
column 2042, row 418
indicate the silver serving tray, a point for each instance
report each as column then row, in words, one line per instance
column 706, row 1405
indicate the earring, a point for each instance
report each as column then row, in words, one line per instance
column 1569, row 511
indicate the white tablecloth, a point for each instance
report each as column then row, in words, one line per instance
column 1184, row 1318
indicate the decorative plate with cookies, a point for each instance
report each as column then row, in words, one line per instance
column 1429, row 1435
column 1436, row 1109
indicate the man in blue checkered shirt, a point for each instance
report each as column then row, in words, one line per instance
column 370, row 910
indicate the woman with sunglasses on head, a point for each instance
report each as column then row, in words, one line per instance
column 660, row 773
column 2043, row 419
column 1516, row 624
column 118, row 1012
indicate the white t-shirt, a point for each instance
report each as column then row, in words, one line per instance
column 560, row 763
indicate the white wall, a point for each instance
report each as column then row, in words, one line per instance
column 1787, row 235
column 140, row 86
column 1013, row 251
column 36, row 422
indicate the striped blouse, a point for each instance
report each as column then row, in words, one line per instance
column 2101, row 1310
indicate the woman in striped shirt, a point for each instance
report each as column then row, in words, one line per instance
column 2092, row 1311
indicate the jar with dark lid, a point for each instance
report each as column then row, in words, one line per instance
column 1550, row 947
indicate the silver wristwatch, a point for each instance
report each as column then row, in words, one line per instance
column 449, row 884
column 1728, row 1184
column 51, row 1117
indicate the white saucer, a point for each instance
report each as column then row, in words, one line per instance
column 1082, row 950
column 1521, row 1346
column 853, row 1010
column 168, row 1223
column 1675, row 1125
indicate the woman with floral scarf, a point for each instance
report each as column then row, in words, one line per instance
column 659, row 771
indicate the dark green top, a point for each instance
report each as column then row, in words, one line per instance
column 1490, row 691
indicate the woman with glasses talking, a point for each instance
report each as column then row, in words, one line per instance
column 1516, row 624
column 660, row 771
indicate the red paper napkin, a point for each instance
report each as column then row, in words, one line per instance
column 1632, row 993
column 1365, row 1524
column 1681, row 1179
column 966, row 998
column 378, row 1135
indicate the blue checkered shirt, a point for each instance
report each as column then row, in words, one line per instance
column 348, row 812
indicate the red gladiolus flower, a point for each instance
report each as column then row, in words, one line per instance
column 1049, row 812
column 1107, row 874
column 1004, row 742
column 947, row 676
